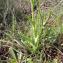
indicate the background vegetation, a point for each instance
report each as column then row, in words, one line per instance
column 31, row 31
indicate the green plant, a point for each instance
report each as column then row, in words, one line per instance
column 32, row 42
